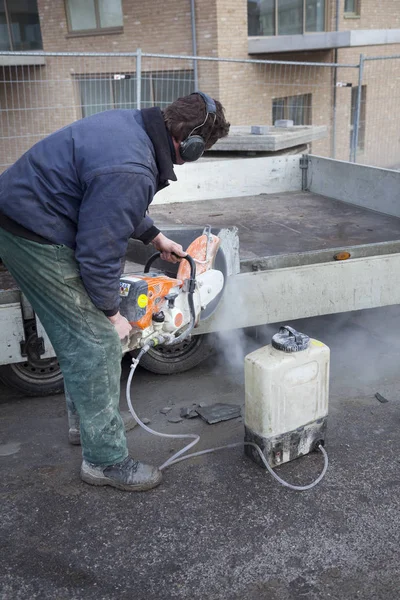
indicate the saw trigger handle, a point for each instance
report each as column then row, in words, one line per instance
column 157, row 255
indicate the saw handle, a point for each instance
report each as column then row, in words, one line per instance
column 190, row 260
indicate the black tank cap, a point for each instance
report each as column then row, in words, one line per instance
column 158, row 317
column 290, row 340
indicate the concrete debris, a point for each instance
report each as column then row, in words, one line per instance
column 202, row 404
column 284, row 138
column 381, row 399
column 260, row 129
column 189, row 413
column 175, row 419
column 219, row 412
column 166, row 410
column 146, row 421
column 284, row 123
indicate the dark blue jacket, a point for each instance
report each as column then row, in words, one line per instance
column 88, row 186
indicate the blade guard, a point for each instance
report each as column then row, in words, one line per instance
column 203, row 250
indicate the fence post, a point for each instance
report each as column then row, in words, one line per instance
column 358, row 108
column 138, row 78
column 194, row 44
column 334, row 120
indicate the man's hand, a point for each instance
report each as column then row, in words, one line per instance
column 121, row 325
column 168, row 248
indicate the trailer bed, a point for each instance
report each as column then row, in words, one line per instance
column 285, row 223
column 287, row 247
column 286, row 229
column 288, row 242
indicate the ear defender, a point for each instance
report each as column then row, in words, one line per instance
column 192, row 148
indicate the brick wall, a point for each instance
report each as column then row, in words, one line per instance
column 382, row 144
column 159, row 27
column 382, row 81
column 37, row 101
column 381, row 14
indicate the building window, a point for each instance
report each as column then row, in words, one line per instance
column 158, row 88
column 294, row 108
column 363, row 113
column 285, row 17
column 19, row 25
column 352, row 7
column 90, row 16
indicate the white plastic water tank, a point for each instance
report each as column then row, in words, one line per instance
column 287, row 389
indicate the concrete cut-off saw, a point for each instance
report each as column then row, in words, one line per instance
column 164, row 310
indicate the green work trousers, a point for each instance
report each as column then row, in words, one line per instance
column 86, row 344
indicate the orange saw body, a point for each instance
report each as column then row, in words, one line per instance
column 163, row 308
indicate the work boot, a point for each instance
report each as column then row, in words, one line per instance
column 130, row 475
column 74, row 433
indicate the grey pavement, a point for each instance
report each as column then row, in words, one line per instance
column 218, row 527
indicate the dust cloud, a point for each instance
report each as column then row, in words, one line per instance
column 365, row 349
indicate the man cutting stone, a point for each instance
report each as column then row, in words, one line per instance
column 68, row 207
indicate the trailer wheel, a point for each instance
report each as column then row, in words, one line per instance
column 34, row 376
column 168, row 360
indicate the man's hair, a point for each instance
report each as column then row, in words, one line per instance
column 186, row 113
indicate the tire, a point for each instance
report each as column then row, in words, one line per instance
column 34, row 376
column 169, row 360
column 31, row 380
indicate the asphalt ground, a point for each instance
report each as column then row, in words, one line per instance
column 218, row 527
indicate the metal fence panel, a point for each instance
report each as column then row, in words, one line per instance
column 36, row 100
column 259, row 92
column 379, row 117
